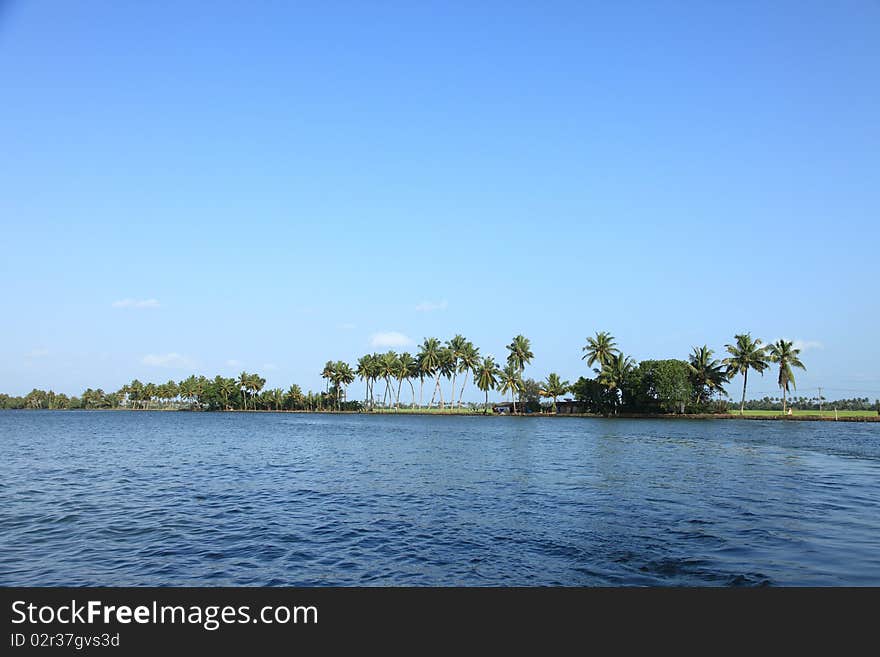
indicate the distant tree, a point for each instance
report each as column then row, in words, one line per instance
column 745, row 354
column 553, row 387
column 786, row 356
column 707, row 374
column 599, row 350
column 486, row 375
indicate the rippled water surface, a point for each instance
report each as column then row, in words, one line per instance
column 120, row 498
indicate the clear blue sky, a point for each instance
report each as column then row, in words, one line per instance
column 211, row 187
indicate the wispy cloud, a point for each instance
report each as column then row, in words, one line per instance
column 270, row 367
column 233, row 363
column 136, row 303
column 805, row 345
column 431, row 306
column 37, row 353
column 389, row 339
column 172, row 360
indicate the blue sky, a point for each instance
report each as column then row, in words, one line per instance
column 211, row 187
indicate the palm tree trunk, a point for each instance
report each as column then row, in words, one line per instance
column 742, row 406
column 452, row 394
column 397, row 401
column 421, row 389
column 783, row 401
column 413, row 390
column 461, row 394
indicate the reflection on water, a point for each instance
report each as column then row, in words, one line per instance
column 118, row 498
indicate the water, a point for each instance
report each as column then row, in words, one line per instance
column 120, row 498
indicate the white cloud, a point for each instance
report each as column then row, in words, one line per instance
column 430, row 306
column 805, row 345
column 389, row 339
column 270, row 367
column 136, row 303
column 173, row 360
column 37, row 353
column 233, row 363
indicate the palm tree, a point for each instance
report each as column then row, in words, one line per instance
column 600, row 349
column 707, row 373
column 520, row 355
column 553, row 387
column 225, row 387
column 456, row 347
column 447, row 369
column 244, row 384
column 344, row 376
column 486, row 375
column 784, row 353
column 294, row 397
column 328, row 372
column 510, row 381
column 387, row 370
column 747, row 354
column 467, row 362
column 614, row 374
column 429, row 362
column 405, row 366
column 364, row 370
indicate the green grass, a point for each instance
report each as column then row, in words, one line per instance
column 824, row 413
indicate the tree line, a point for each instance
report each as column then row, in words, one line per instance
column 439, row 372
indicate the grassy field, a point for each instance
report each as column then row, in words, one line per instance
column 432, row 411
column 824, row 413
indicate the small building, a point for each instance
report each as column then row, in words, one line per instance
column 569, row 407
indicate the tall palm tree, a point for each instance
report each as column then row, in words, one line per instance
column 746, row 354
column 600, row 349
column 446, row 369
column 616, row 370
column 509, row 380
column 467, row 362
column 486, row 375
column 707, row 373
column 344, row 376
column 225, row 387
column 429, row 362
column 520, row 355
column 328, row 372
column 388, row 371
column 244, row 384
column 456, row 347
column 784, row 353
column 404, row 368
column 553, row 387
column 363, row 369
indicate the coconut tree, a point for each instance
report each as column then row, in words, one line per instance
column 328, row 373
column 404, row 369
column 745, row 354
column 707, row 373
column 614, row 373
column 456, row 347
column 445, row 369
column 364, row 370
column 429, row 362
column 225, row 387
column 344, row 375
column 387, row 371
column 510, row 380
column 244, row 384
column 600, row 349
column 486, row 375
column 786, row 356
column 520, row 353
column 467, row 362
column 553, row 387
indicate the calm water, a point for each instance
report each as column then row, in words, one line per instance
column 117, row 498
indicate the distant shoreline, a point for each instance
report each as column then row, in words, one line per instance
column 454, row 413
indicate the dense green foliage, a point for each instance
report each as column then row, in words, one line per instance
column 619, row 383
